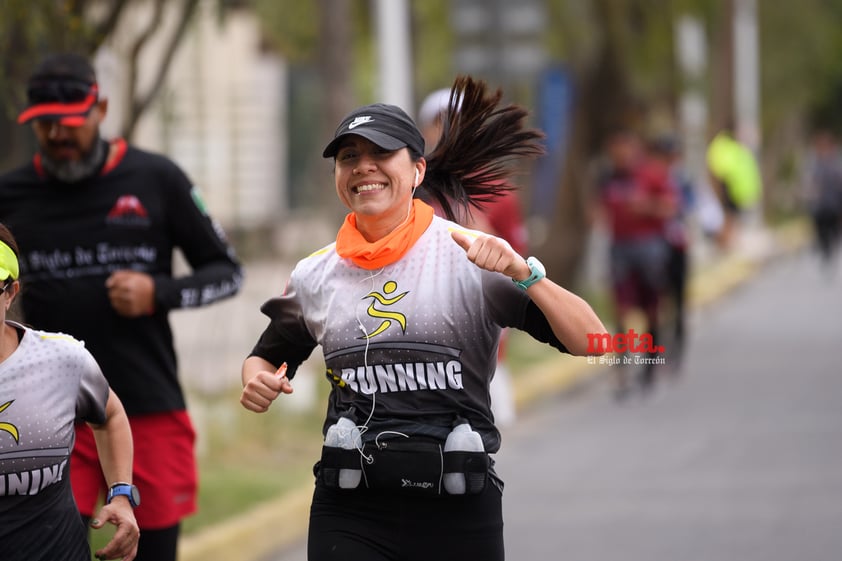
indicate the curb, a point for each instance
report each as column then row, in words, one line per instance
column 283, row 521
column 254, row 535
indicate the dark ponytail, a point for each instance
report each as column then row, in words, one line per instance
column 478, row 149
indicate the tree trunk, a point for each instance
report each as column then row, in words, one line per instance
column 722, row 93
column 335, row 68
column 603, row 102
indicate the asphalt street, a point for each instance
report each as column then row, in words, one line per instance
column 737, row 457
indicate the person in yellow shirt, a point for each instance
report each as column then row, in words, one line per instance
column 736, row 179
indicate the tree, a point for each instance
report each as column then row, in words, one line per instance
column 321, row 40
column 615, row 54
column 622, row 57
column 29, row 29
column 139, row 101
column 335, row 38
column 33, row 28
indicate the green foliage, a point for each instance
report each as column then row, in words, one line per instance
column 795, row 37
column 46, row 25
column 573, row 30
column 433, row 46
column 363, row 37
column 800, row 43
column 246, row 458
column 30, row 29
column 651, row 33
column 290, row 26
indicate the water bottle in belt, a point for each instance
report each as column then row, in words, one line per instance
column 463, row 439
column 345, row 434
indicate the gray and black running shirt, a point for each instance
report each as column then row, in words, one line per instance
column 415, row 341
column 48, row 383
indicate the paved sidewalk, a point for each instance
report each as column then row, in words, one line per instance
column 213, row 342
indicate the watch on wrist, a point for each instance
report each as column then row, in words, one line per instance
column 127, row 490
column 537, row 272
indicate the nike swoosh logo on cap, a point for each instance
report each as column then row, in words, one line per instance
column 360, row 121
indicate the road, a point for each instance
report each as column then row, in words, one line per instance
column 735, row 459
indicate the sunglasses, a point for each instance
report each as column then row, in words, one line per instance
column 60, row 91
column 6, row 286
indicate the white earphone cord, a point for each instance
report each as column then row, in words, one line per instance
column 364, row 427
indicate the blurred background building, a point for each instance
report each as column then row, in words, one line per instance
column 220, row 112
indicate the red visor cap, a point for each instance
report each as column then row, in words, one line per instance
column 69, row 114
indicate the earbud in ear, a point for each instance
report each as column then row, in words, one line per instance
column 416, row 178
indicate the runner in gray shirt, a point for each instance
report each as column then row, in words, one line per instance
column 48, row 381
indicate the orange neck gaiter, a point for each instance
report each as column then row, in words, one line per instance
column 350, row 243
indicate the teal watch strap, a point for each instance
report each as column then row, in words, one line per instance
column 537, row 273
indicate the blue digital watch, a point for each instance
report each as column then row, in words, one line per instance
column 127, row 490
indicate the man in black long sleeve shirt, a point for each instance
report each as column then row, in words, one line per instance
column 97, row 223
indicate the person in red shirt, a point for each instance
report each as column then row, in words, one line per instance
column 637, row 199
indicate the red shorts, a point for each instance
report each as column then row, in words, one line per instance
column 164, row 469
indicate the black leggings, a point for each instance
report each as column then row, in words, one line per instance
column 154, row 545
column 677, row 274
column 826, row 223
column 363, row 525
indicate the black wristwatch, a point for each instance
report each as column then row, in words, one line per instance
column 127, row 490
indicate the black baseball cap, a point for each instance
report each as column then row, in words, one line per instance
column 63, row 88
column 388, row 126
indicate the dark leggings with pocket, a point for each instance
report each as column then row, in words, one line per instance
column 366, row 525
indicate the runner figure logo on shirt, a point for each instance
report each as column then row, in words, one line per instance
column 9, row 427
column 387, row 317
